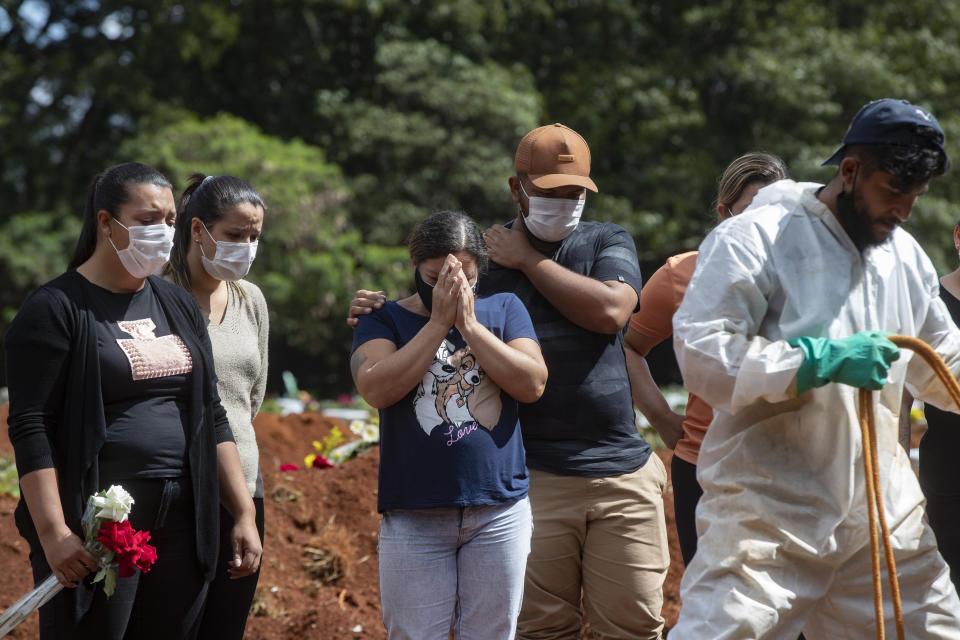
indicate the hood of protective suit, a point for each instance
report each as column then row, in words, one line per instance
column 784, row 193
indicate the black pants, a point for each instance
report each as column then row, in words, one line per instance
column 166, row 602
column 228, row 601
column 686, row 495
column 940, row 481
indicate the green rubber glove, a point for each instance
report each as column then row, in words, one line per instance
column 862, row 360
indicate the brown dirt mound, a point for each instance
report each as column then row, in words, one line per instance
column 319, row 577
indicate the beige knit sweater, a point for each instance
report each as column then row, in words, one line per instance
column 240, row 359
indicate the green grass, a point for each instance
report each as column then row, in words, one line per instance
column 270, row 405
column 8, row 477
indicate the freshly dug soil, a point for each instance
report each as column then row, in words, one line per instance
column 319, row 577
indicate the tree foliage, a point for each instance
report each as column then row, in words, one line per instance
column 34, row 246
column 358, row 117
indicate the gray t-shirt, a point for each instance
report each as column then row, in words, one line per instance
column 240, row 359
column 584, row 424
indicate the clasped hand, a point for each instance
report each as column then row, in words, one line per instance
column 453, row 297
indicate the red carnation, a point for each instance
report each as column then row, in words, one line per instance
column 116, row 536
column 148, row 555
column 131, row 547
column 322, row 463
column 125, row 566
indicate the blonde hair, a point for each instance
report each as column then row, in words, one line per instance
column 745, row 170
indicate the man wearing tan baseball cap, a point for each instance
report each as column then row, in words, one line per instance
column 595, row 489
column 554, row 156
column 599, row 534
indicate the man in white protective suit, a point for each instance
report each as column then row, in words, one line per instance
column 784, row 319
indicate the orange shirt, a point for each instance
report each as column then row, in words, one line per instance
column 659, row 300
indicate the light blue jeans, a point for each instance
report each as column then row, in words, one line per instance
column 459, row 569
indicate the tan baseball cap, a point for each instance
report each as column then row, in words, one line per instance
column 554, row 156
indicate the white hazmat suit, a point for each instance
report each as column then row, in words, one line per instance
column 783, row 533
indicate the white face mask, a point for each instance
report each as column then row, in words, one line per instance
column 552, row 219
column 231, row 260
column 149, row 248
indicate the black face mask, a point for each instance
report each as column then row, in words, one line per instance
column 424, row 290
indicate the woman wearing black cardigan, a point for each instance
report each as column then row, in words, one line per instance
column 112, row 382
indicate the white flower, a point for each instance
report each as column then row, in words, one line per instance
column 357, row 427
column 370, row 433
column 113, row 504
column 345, row 451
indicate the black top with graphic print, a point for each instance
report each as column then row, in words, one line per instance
column 145, row 384
column 584, row 424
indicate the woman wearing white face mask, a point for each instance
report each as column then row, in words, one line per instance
column 111, row 382
column 219, row 220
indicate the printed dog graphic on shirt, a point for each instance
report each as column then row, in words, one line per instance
column 455, row 390
column 452, row 399
column 424, row 404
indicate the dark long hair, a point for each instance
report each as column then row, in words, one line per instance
column 108, row 191
column 447, row 232
column 206, row 198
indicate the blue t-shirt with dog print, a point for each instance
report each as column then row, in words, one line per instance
column 454, row 440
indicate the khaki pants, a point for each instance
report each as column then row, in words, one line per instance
column 604, row 538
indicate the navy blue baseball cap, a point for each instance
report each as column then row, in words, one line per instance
column 890, row 121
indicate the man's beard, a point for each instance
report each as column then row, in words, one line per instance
column 856, row 221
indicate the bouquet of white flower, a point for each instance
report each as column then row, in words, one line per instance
column 110, row 538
